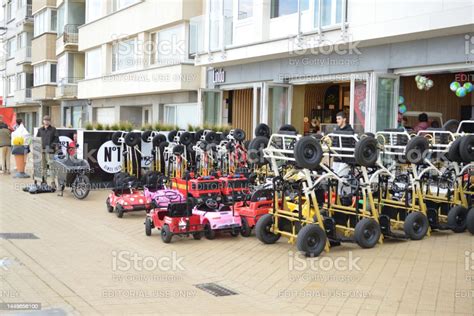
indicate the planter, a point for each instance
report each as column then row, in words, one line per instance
column 20, row 163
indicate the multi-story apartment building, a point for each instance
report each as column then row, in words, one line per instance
column 44, row 59
column 138, row 66
column 71, row 63
column 17, row 72
column 302, row 61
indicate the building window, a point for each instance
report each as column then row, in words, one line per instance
column 44, row 73
column 11, row 83
column 124, row 55
column 93, row 10
column 245, row 9
column 120, row 4
column 20, row 81
column 93, row 63
column 285, row 7
column 11, row 47
column 45, row 21
column 331, row 12
column 170, row 46
column 10, row 10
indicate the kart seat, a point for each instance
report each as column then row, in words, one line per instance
column 178, row 209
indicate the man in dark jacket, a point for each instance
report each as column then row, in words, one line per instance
column 342, row 125
column 50, row 141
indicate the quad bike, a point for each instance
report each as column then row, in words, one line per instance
column 217, row 217
column 399, row 197
column 257, row 204
column 126, row 196
column 173, row 219
column 299, row 197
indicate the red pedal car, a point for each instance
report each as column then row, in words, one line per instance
column 126, row 196
column 200, row 189
column 250, row 211
column 175, row 219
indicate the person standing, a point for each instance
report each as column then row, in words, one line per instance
column 341, row 121
column 21, row 140
column 50, row 141
column 5, row 146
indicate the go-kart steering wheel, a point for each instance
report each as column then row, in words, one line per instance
column 212, row 204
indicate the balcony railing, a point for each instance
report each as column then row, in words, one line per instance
column 67, row 87
column 71, row 34
column 24, row 14
column 23, row 55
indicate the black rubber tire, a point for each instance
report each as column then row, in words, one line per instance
column 239, row 134
column 162, row 147
column 308, row 153
column 246, row 144
column 116, row 137
column 457, row 218
column 178, row 150
column 148, row 226
column 234, row 233
column 146, row 135
column 311, row 240
column 262, row 230
column 466, row 148
column 367, row 233
column 211, row 137
column 287, row 128
column 158, row 139
column 209, row 233
column 132, row 139
column 470, row 221
column 417, row 149
column 263, row 130
column 119, row 210
column 223, row 135
column 366, row 152
column 110, row 208
column 453, row 151
column 255, row 151
column 416, row 225
column 197, row 236
column 186, row 138
column 451, row 126
column 166, row 234
column 171, row 135
column 81, row 187
column 245, row 231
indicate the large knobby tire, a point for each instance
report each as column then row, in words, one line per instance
column 451, row 126
column 116, row 138
column 453, row 151
column 148, row 226
column 457, row 219
column 262, row 230
column 166, row 234
column 367, row 233
column 211, row 137
column 366, row 152
column 466, row 148
column 186, row 138
column 416, row 225
column 263, row 130
column 288, row 128
column 308, row 153
column 311, row 240
column 417, row 149
column 132, row 139
column 172, row 135
column 146, row 136
column 178, row 150
column 158, row 139
column 245, row 230
column 255, row 151
column 470, row 221
column 239, row 134
column 198, row 135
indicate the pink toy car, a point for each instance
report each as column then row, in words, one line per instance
column 217, row 217
column 163, row 196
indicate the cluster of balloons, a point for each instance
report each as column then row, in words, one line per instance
column 461, row 91
column 423, row 83
column 402, row 108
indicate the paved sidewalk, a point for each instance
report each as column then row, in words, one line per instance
column 87, row 261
